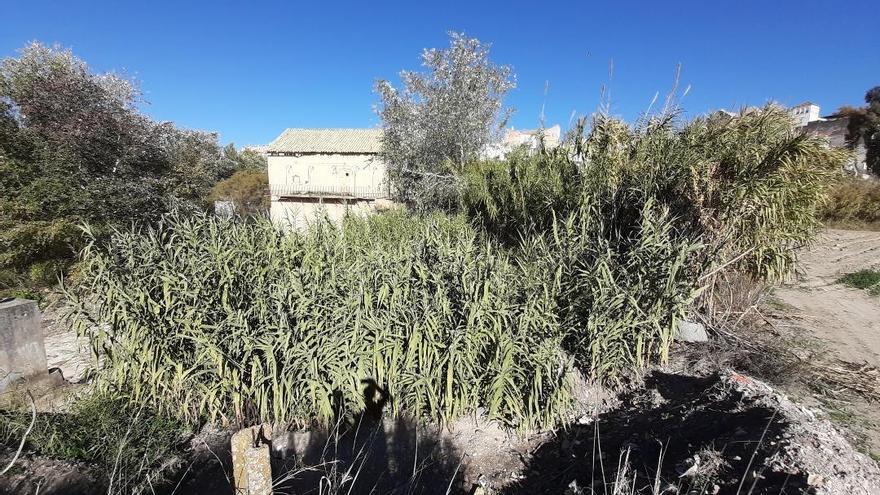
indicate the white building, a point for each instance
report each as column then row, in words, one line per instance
column 835, row 130
column 528, row 138
column 804, row 113
column 329, row 171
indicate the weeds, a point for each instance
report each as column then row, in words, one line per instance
column 853, row 203
column 132, row 445
column 868, row 280
column 749, row 186
column 595, row 251
column 239, row 322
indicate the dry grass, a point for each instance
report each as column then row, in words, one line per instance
column 853, row 203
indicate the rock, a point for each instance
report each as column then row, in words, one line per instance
column 689, row 331
column 22, row 351
column 251, row 466
column 573, row 488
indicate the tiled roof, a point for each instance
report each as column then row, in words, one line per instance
column 327, row 141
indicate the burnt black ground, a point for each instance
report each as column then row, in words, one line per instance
column 676, row 416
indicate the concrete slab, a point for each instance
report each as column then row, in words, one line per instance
column 22, row 351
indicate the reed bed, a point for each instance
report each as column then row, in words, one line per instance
column 240, row 322
column 578, row 260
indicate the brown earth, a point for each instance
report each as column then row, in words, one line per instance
column 834, row 331
column 847, row 319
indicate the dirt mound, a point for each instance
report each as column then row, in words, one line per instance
column 715, row 434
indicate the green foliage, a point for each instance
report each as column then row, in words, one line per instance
column 864, row 124
column 863, row 279
column 604, row 246
column 440, row 119
column 748, row 186
column 38, row 241
column 129, row 443
column 238, row 321
column 853, row 202
column 234, row 160
column 521, row 193
column 618, row 292
column 74, row 148
column 247, row 189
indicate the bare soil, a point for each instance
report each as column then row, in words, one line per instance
column 835, row 332
column 847, row 319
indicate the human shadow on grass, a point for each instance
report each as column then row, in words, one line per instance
column 657, row 435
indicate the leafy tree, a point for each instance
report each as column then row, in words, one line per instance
column 864, row 123
column 247, row 189
column 74, row 147
column 441, row 118
column 233, row 160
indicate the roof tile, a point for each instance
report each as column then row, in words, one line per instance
column 327, row 141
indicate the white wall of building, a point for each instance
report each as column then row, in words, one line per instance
column 804, row 114
column 307, row 187
column 299, row 213
column 322, row 172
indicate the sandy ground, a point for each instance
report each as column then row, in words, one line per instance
column 833, row 326
column 847, row 319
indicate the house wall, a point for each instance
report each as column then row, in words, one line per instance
column 309, row 186
column 804, row 114
column 299, row 213
column 322, row 172
column 835, row 131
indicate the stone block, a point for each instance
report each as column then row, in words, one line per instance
column 22, row 351
column 251, row 466
column 689, row 331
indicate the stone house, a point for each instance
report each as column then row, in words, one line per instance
column 329, row 171
column 335, row 172
column 834, row 129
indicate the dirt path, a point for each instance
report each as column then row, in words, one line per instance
column 847, row 319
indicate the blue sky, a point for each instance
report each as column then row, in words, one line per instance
column 250, row 69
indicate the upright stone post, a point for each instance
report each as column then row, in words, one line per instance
column 251, row 466
column 22, row 352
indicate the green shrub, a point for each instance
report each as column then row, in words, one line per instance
column 32, row 294
column 238, row 321
column 863, row 279
column 619, row 293
column 247, row 189
column 25, row 243
column 131, row 444
column 749, row 186
column 522, row 193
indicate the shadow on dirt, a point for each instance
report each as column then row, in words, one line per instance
column 371, row 454
column 707, row 438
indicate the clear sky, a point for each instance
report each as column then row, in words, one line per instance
column 250, row 69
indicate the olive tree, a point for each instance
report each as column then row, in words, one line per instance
column 441, row 118
column 74, row 147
